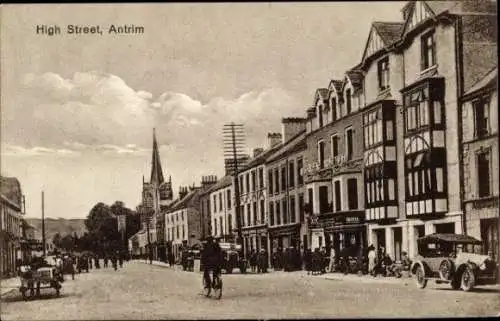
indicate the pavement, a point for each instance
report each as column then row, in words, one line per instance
column 143, row 292
column 9, row 285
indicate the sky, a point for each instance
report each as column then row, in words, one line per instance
column 78, row 111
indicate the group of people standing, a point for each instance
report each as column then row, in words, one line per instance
column 257, row 260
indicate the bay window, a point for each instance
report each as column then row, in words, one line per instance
column 417, row 109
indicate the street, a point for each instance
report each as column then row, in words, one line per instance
column 141, row 291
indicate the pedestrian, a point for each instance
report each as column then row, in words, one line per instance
column 253, row 260
column 324, row 258
column 114, row 262
column 120, row 260
column 307, row 261
column 96, row 262
column 331, row 264
column 106, row 261
column 371, row 260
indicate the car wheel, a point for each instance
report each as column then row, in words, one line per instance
column 446, row 269
column 468, row 279
column 421, row 280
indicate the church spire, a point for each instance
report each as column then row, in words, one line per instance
column 156, row 171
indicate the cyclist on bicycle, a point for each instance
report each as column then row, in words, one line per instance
column 211, row 259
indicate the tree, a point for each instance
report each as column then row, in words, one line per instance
column 67, row 242
column 56, row 240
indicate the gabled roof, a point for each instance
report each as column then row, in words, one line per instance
column 261, row 158
column 355, row 77
column 336, row 84
column 293, row 144
column 490, row 78
column 322, row 93
column 389, row 31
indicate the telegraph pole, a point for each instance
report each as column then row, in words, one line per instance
column 43, row 225
column 234, row 142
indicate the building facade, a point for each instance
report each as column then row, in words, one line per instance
column 253, row 197
column 222, row 218
column 11, row 222
column 285, row 188
column 480, row 158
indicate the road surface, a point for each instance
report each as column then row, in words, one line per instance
column 141, row 291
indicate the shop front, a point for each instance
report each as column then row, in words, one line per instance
column 284, row 236
column 344, row 230
column 254, row 239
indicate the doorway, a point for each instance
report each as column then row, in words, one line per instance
column 398, row 240
column 380, row 237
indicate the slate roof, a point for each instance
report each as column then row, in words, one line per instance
column 488, row 79
column 221, row 183
column 337, row 84
column 293, row 144
column 389, row 32
column 356, row 77
column 323, row 92
column 261, row 158
column 185, row 201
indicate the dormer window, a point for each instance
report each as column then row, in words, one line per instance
column 334, row 109
column 383, row 73
column 348, row 101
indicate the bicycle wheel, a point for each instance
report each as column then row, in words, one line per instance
column 217, row 286
column 206, row 288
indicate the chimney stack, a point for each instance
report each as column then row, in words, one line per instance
column 208, row 180
column 183, row 191
column 257, row 151
column 291, row 126
column 273, row 139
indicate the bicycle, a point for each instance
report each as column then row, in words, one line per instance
column 216, row 285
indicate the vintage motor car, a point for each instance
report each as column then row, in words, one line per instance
column 41, row 278
column 82, row 263
column 451, row 259
column 233, row 257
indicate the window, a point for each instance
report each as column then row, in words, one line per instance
column 292, row 209
column 481, row 108
column 383, row 73
column 221, row 226
column 228, row 195
column 310, row 196
column 261, row 178
column 337, row 191
column 271, row 213
column 276, row 181
column 483, row 174
column 242, row 178
column 254, row 181
column 270, row 181
column 348, row 143
column 300, row 166
column 278, row 213
column 335, row 146
column 417, row 110
column 320, row 116
column 254, row 214
column 249, row 213
column 215, row 203
column 262, row 212
column 323, row 200
column 291, row 174
column 183, row 233
column 215, row 226
column 373, row 128
column 348, row 101
column 352, row 193
column 283, row 178
column 301, row 207
column 230, row 223
column 428, row 46
column 247, row 181
column 334, row 109
column 321, row 153
column 284, row 208
column 220, row 201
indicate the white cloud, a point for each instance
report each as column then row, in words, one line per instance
column 19, row 151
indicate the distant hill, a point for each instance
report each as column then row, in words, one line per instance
column 58, row 225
